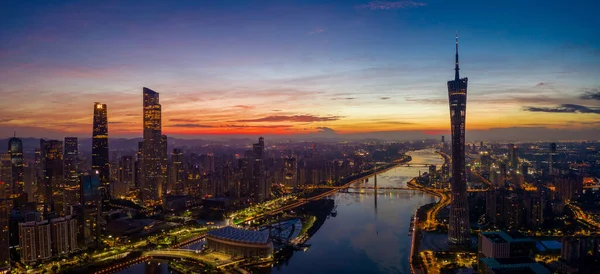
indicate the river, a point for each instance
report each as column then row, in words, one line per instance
column 369, row 233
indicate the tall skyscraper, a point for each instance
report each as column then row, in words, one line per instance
column 259, row 187
column 52, row 183
column 6, row 174
column 90, row 200
column 458, row 229
column 513, row 156
column 126, row 176
column 6, row 206
column 15, row 149
column 71, row 169
column 177, row 175
column 164, row 164
column 151, row 184
column 100, row 143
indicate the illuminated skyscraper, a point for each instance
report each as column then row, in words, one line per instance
column 513, row 156
column 6, row 206
column 71, row 168
column 151, row 184
column 164, row 164
column 5, row 174
column 126, row 175
column 100, row 143
column 90, row 200
column 177, row 175
column 53, row 177
column 458, row 229
column 15, row 149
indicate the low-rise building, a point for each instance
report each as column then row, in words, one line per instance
column 240, row 242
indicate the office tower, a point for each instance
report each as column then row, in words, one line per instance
column 458, row 229
column 15, row 149
column 71, row 169
column 259, row 186
column 6, row 174
column 551, row 158
column 260, row 190
column 177, row 176
column 259, row 148
column 126, row 176
column 164, row 164
column 90, row 200
column 151, row 152
column 138, row 164
column 6, row 206
column 52, row 183
column 38, row 175
column 100, row 143
column 513, row 156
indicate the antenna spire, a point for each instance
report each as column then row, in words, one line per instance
column 456, row 69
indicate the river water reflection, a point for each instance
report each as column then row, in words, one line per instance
column 370, row 232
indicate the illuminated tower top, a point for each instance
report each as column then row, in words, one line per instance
column 456, row 69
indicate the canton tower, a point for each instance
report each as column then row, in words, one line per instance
column 459, row 229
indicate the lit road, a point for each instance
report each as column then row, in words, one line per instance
column 582, row 217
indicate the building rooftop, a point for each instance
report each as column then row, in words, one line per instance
column 241, row 235
column 514, row 265
column 552, row 244
column 504, row 237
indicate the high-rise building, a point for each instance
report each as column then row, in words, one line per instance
column 513, row 156
column 458, row 229
column 34, row 240
column 290, row 172
column 6, row 206
column 6, row 174
column 138, row 165
column 64, row 235
column 259, row 148
column 258, row 186
column 71, row 169
column 38, row 176
column 90, row 201
column 551, row 158
column 53, row 177
column 177, row 176
column 15, row 149
column 151, row 184
column 164, row 164
column 126, row 176
column 100, row 159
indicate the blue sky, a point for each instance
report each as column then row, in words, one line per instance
column 287, row 67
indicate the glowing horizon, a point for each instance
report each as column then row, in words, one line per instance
column 263, row 68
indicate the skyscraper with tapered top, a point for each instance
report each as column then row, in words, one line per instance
column 151, row 180
column 100, row 143
column 459, row 229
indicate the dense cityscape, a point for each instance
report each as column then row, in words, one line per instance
column 286, row 193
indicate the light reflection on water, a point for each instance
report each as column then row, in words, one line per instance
column 361, row 239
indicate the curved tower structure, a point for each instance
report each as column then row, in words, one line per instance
column 458, row 229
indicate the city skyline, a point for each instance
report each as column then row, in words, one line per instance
column 328, row 69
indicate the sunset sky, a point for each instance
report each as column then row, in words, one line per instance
column 291, row 67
